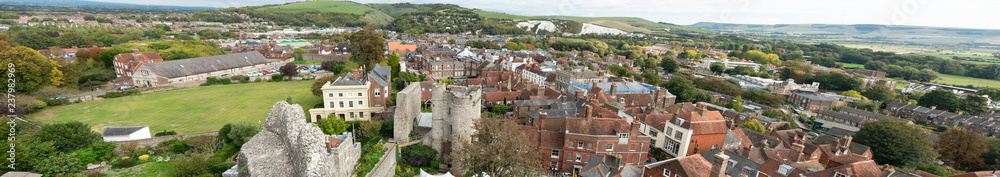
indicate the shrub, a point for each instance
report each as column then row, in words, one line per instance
column 226, row 81
column 332, row 126
column 225, row 153
column 220, row 167
column 143, row 157
column 203, row 143
column 240, row 78
column 58, row 163
column 78, row 101
column 95, row 174
column 258, row 80
column 419, row 156
column 224, row 133
column 370, row 129
column 53, row 102
column 242, row 131
column 277, row 77
column 211, row 81
column 119, row 94
column 124, row 162
column 193, row 165
column 166, row 133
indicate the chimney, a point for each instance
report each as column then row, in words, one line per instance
column 745, row 152
column 614, row 89
column 587, row 110
column 719, row 164
column 579, row 95
column 847, row 140
column 933, row 107
column 135, row 51
column 542, row 115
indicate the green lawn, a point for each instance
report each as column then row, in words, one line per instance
column 189, row 110
column 322, row 6
column 963, row 81
column 852, row 65
column 151, row 168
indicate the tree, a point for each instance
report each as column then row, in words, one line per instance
column 289, row 70
column 154, row 33
column 193, row 165
column 851, row 93
column 241, row 131
column 963, row 147
column 879, row 93
column 298, row 52
column 992, row 156
column 942, row 99
column 58, row 163
column 754, row 125
column 992, row 92
column 875, row 65
column 332, row 125
column 975, row 105
column 669, row 65
column 499, row 109
column 367, row 46
column 72, row 39
column 393, row 61
column 210, row 34
column 369, row 129
column 717, row 67
column 763, row 97
column 318, row 85
column 497, row 148
column 67, row 136
column 32, row 70
column 896, row 143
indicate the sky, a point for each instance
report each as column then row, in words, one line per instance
column 961, row 14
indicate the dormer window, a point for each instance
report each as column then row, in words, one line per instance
column 623, row 138
column 784, row 170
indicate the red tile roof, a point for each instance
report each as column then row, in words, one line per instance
column 597, row 126
column 858, row 169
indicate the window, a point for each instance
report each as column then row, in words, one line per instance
column 838, row 174
column 555, row 153
column 570, row 144
column 670, row 146
column 352, row 114
column 653, row 133
column 610, row 147
column 714, row 146
column 361, row 104
column 359, row 94
column 784, row 170
column 579, row 157
column 554, row 164
column 589, row 145
column 666, row 172
column 145, row 72
column 330, row 95
column 332, row 105
column 579, row 145
column 817, row 155
column 732, row 163
column 361, row 114
column 341, row 104
column 669, row 130
column 340, row 94
column 377, row 92
column 678, row 135
column 350, row 104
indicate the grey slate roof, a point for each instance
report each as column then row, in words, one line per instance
column 854, row 147
column 839, row 132
column 381, row 74
column 741, row 162
column 756, row 137
column 817, row 97
column 193, row 66
column 535, row 102
column 731, row 138
column 121, row 131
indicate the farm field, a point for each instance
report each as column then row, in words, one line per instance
column 190, row 110
column 322, row 6
column 963, row 81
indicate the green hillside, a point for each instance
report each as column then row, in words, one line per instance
column 321, row 6
column 500, row 15
column 630, row 24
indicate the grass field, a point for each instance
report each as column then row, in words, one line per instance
column 852, row 65
column 189, row 110
column 322, row 6
column 963, row 81
column 500, row 15
column 985, row 57
column 630, row 24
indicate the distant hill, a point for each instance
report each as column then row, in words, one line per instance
column 383, row 14
column 96, row 4
column 917, row 34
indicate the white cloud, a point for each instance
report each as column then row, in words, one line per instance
column 967, row 13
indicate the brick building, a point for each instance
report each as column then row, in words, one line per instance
column 813, row 102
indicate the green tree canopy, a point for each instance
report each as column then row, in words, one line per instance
column 754, row 125
column 896, row 143
column 367, row 46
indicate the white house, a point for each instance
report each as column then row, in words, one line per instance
column 126, row 133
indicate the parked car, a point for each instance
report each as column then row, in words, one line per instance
column 127, row 87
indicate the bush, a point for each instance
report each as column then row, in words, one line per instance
column 242, row 131
column 166, row 133
column 332, row 126
column 58, row 163
column 419, row 156
column 143, row 157
column 119, row 94
column 78, row 101
column 277, row 77
column 224, row 133
column 226, row 81
column 225, row 153
column 212, row 81
column 124, row 162
column 193, row 165
column 53, row 102
column 258, row 80
column 241, row 79
column 370, row 129
column 203, row 143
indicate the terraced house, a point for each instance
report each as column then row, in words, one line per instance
column 199, row 69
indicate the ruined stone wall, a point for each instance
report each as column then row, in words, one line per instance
column 407, row 112
column 441, row 103
column 386, row 166
column 286, row 146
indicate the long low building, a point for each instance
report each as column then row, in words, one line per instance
column 199, row 69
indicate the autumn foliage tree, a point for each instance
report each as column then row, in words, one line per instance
column 367, row 46
column 498, row 148
column 289, row 70
column 32, row 71
column 962, row 147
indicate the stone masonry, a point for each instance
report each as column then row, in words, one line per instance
column 455, row 111
column 286, row 146
column 407, row 112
